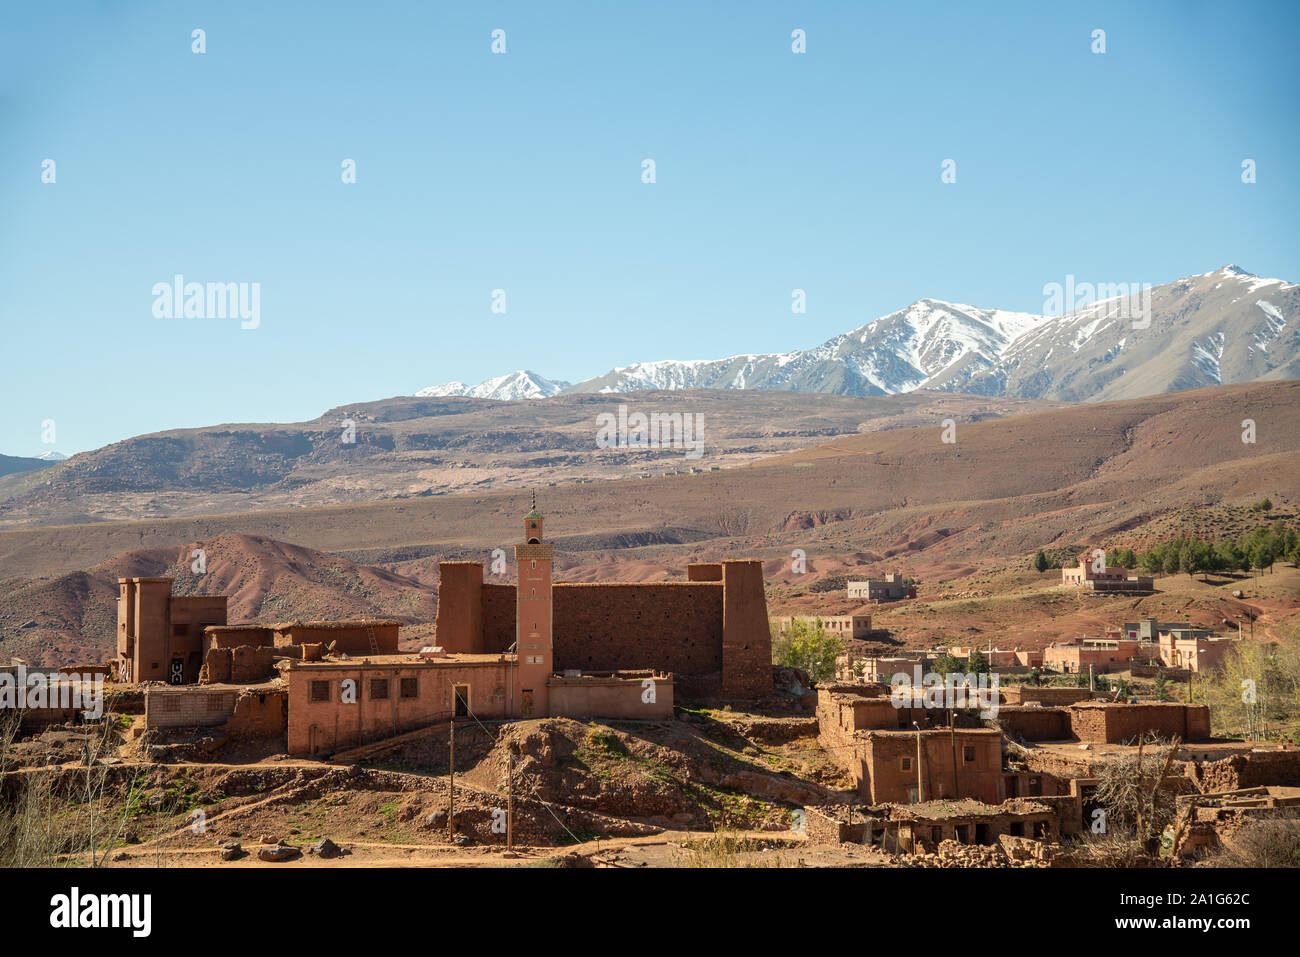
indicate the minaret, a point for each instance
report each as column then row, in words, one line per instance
column 533, row 617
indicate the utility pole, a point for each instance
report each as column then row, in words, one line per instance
column 1091, row 684
column 510, row 797
column 451, row 801
column 952, row 731
column 920, row 784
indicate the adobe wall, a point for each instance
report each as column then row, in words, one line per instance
column 498, row 619
column 151, row 601
column 746, row 635
column 668, row 626
column 459, row 625
column 1035, row 724
column 704, row 572
column 243, row 664
column 1256, row 769
column 1121, row 723
column 351, row 640
column 1048, row 696
column 229, row 637
column 601, row 697
column 259, row 714
column 216, row 667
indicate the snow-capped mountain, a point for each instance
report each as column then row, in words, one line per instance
column 52, row 456
column 1214, row 328
column 516, row 385
column 928, row 343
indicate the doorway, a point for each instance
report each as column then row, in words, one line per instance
column 460, row 694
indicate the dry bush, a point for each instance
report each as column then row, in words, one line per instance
column 1130, row 789
column 49, row 816
column 1268, row 842
column 726, row 850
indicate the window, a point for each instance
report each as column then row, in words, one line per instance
column 320, row 691
column 410, row 688
column 378, row 689
column 968, row 754
column 906, row 764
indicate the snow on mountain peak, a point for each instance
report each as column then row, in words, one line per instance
column 520, row 384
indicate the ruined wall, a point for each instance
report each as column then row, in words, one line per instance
column 231, row 637
column 1035, row 724
column 349, row 639
column 249, row 664
column 259, row 715
column 1256, row 769
column 216, row 666
column 243, row 664
column 823, row 828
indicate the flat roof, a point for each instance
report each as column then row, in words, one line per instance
column 406, row 660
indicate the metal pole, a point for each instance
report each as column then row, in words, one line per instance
column 920, row 784
column 510, row 798
column 451, row 802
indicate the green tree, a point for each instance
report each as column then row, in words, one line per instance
column 977, row 664
column 946, row 664
column 1261, row 556
column 1041, row 564
column 1162, row 687
column 807, row 646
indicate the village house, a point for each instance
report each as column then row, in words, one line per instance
column 843, row 626
column 1102, row 579
column 889, row 588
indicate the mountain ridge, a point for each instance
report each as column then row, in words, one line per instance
column 1078, row 355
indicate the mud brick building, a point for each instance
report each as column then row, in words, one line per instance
column 1104, row 722
column 241, row 712
column 160, row 635
column 713, row 625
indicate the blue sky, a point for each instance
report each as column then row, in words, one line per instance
column 522, row 172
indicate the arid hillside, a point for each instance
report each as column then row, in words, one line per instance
column 1113, row 473
column 71, row 617
column 413, row 447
